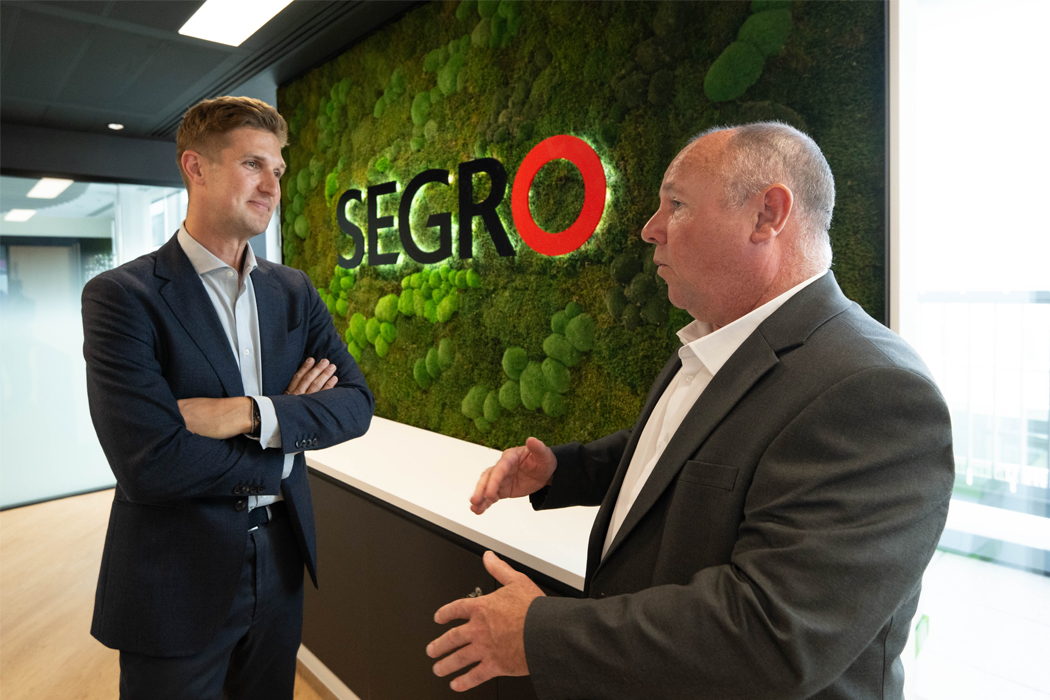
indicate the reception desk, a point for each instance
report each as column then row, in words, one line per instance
column 397, row 540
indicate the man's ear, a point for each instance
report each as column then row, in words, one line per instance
column 775, row 205
column 193, row 165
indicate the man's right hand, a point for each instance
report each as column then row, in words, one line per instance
column 312, row 377
column 519, row 472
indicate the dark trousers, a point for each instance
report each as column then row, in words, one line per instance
column 253, row 655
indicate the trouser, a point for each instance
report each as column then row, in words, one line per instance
column 253, row 655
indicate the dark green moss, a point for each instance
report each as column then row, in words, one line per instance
column 594, row 70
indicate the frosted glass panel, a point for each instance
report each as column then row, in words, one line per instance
column 48, row 446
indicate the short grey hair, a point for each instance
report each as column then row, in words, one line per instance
column 761, row 154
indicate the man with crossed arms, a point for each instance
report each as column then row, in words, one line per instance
column 765, row 524
column 204, row 392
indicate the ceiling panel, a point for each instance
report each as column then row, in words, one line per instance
column 42, row 53
column 175, row 69
column 108, row 67
column 88, row 7
column 167, row 15
column 21, row 111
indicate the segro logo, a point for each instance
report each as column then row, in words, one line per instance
column 566, row 147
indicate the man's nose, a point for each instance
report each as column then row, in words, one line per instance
column 653, row 231
column 270, row 184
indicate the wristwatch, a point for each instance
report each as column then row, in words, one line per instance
column 256, row 420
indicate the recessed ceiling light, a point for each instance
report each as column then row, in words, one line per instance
column 19, row 215
column 230, row 22
column 115, row 126
column 48, row 188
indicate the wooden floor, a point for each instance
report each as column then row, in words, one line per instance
column 49, row 561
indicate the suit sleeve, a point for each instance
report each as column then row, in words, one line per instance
column 326, row 418
column 584, row 472
column 841, row 518
column 136, row 415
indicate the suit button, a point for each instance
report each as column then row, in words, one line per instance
column 240, row 504
column 298, row 444
column 256, row 489
column 601, row 594
column 313, row 443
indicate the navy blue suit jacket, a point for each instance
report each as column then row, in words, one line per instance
column 177, row 529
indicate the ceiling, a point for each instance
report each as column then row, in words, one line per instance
column 78, row 65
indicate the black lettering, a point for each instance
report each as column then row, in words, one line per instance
column 376, row 222
column 442, row 220
column 486, row 209
column 348, row 227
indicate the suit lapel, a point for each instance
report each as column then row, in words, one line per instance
column 604, row 517
column 788, row 327
column 189, row 302
column 273, row 329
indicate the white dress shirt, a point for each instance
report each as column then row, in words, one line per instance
column 233, row 297
column 703, row 353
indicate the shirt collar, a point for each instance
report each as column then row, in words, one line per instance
column 704, row 347
column 203, row 260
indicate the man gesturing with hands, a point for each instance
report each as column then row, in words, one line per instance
column 209, row 372
column 765, row 524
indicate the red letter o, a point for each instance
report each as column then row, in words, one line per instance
column 580, row 154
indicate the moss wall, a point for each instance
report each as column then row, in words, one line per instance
column 493, row 349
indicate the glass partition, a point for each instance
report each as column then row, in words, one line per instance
column 48, row 446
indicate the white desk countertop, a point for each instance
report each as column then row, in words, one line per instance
column 433, row 476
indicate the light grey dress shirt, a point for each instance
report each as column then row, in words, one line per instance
column 233, row 297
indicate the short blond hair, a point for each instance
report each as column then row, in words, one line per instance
column 206, row 123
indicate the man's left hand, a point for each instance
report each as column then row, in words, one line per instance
column 494, row 631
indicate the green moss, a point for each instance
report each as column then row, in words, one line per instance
column 624, row 267
column 420, row 374
column 768, row 31
column 594, row 70
column 514, row 361
column 556, row 375
column 446, row 354
column 357, row 329
column 553, row 404
column 372, row 327
column 533, row 386
column 558, row 322
column 433, row 363
column 580, row 332
column 655, row 310
column 388, row 332
column 473, row 405
column 733, row 72
column 355, row 350
column 488, row 8
column 510, row 395
column 405, row 303
column 382, row 346
column 615, row 302
column 642, row 287
column 387, row 308
column 632, row 317
column 492, row 408
column 302, row 226
column 558, row 346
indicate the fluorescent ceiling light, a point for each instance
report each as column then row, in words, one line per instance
column 115, row 126
column 231, row 21
column 19, row 215
column 48, row 188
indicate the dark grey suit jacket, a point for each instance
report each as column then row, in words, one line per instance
column 178, row 527
column 777, row 549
